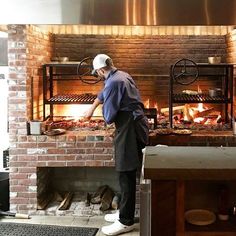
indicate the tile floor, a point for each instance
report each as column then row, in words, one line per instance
column 94, row 221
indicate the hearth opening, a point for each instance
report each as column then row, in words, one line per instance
column 76, row 190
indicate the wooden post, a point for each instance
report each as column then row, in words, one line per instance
column 180, row 208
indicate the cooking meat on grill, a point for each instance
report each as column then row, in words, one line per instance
column 78, row 124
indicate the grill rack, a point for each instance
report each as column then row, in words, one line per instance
column 86, row 98
column 200, row 98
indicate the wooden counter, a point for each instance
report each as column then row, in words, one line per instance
column 169, row 168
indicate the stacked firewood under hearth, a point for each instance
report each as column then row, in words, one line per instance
column 104, row 196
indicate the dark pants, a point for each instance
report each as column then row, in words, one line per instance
column 127, row 181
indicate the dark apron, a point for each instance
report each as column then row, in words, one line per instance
column 126, row 149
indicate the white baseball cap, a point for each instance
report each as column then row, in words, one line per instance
column 99, row 62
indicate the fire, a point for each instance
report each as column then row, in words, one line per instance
column 147, row 103
column 156, row 106
column 200, row 114
column 77, row 111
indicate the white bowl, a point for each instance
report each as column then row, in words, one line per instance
column 214, row 60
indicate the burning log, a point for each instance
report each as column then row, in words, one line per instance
column 203, row 113
column 176, row 109
column 187, row 116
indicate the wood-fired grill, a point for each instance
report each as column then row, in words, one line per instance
column 70, row 73
column 184, row 73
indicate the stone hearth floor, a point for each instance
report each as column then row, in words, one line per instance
column 94, row 221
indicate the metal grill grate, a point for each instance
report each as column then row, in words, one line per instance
column 197, row 98
column 74, row 98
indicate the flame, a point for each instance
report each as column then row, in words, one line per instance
column 198, row 119
column 192, row 113
column 198, row 89
column 156, row 105
column 200, row 107
column 147, row 103
column 77, row 111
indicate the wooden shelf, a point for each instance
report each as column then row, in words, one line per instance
column 219, row 226
column 170, row 170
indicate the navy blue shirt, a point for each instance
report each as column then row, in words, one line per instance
column 120, row 94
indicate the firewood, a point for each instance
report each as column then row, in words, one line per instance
column 97, row 196
column 176, row 109
column 115, row 202
column 204, row 113
column 58, row 197
column 66, row 202
column 44, row 200
column 187, row 116
column 107, row 199
column 88, row 199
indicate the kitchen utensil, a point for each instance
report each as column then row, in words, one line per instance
column 212, row 92
column 13, row 214
column 35, row 127
column 218, row 91
column 232, row 211
column 200, row 217
column 60, row 59
column 214, row 60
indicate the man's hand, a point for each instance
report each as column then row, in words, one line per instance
column 89, row 113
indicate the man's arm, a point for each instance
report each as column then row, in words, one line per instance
column 89, row 113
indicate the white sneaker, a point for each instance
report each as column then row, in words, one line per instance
column 117, row 228
column 112, row 217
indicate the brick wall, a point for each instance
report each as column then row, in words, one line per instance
column 28, row 48
column 146, row 58
column 231, row 56
column 71, row 150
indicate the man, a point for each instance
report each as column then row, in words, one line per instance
column 122, row 105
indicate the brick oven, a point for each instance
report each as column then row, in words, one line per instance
column 146, row 57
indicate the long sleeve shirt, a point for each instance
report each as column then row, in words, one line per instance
column 120, row 94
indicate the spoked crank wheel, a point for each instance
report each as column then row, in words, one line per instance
column 185, row 71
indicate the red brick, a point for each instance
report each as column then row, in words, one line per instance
column 56, row 151
column 56, row 163
column 76, row 163
column 27, row 145
column 47, row 145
